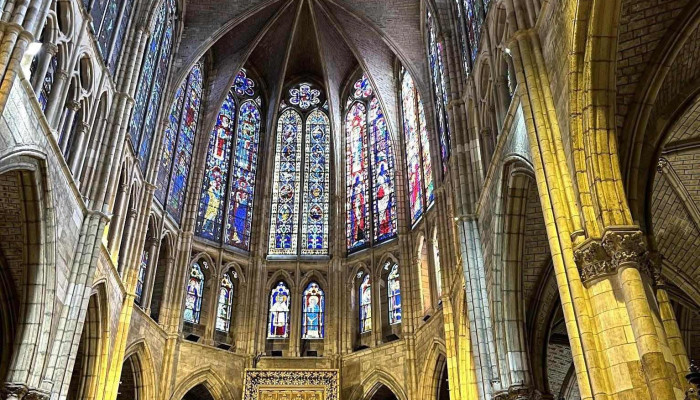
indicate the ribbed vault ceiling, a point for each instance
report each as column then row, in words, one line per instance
column 322, row 40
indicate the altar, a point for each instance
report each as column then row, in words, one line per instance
column 290, row 384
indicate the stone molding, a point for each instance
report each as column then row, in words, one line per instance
column 521, row 393
column 623, row 246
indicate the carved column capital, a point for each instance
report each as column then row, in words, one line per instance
column 36, row 395
column 14, row 391
column 619, row 247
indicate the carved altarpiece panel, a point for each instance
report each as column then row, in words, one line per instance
column 291, row 385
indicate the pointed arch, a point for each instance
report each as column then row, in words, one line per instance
column 206, row 377
column 139, row 371
column 432, row 367
column 374, row 381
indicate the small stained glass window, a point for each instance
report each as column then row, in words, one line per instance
column 365, row 297
column 193, row 299
column 313, row 312
column 223, row 310
column 278, row 324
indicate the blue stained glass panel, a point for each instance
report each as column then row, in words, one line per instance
column 243, row 85
column 169, row 137
column 278, row 324
column 314, row 229
column 394, row 293
column 245, row 164
column 121, row 34
column 144, row 88
column 365, row 295
column 211, row 203
column 223, row 309
column 383, row 175
column 97, row 13
column 440, row 97
column 104, row 39
column 154, row 102
column 425, row 155
column 287, row 180
column 193, row 298
column 362, row 88
column 313, row 312
column 357, row 167
column 185, row 142
column 47, row 84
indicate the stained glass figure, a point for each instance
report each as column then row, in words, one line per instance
column 365, row 296
column 475, row 14
column 223, row 309
column 299, row 218
column 169, row 137
column 383, row 175
column 304, row 96
column 363, row 88
column 418, row 163
column 47, row 84
column 369, row 171
column 278, row 324
column 243, row 85
column 357, row 167
column 245, row 165
column 394, row 293
column 110, row 19
column 314, row 229
column 185, row 141
column 141, row 277
column 313, row 308
column 152, row 78
column 193, row 299
column 216, row 173
column 439, row 89
column 287, row 181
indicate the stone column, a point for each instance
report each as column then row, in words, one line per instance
column 53, row 103
column 77, row 151
column 152, row 245
column 64, row 129
column 49, row 51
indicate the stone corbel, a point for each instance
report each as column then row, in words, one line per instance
column 619, row 247
column 13, row 391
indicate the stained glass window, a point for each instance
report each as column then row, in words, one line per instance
column 313, row 309
column 287, row 179
column 462, row 37
column 109, row 18
column 474, row 15
column 149, row 90
column 313, row 143
column 365, row 296
column 278, row 324
column 236, row 132
column 245, row 165
column 437, row 73
column 418, row 163
column 47, row 84
column 394, row 293
column 369, row 171
column 193, row 299
column 212, row 200
column 141, row 278
column 314, row 227
column 178, row 141
column 223, row 309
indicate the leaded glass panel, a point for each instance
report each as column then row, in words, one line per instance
column 383, row 175
column 313, row 312
column 357, row 167
column 278, row 324
column 365, row 297
column 314, row 227
column 193, row 298
column 169, row 137
column 245, row 164
column 223, row 309
column 286, row 185
column 394, row 293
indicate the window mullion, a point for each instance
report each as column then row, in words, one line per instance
column 228, row 190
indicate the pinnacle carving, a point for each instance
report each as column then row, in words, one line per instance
column 618, row 248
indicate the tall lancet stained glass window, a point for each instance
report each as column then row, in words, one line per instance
column 365, row 301
column 313, row 312
column 228, row 188
column 393, row 285
column 178, row 141
column 110, row 20
column 278, row 321
column 371, row 199
column 301, row 180
column 154, row 70
column 418, row 163
column 437, row 73
column 193, row 297
column 223, row 309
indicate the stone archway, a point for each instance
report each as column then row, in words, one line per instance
column 199, row 392
column 381, row 392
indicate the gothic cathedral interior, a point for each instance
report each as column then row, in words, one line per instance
column 349, row 199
